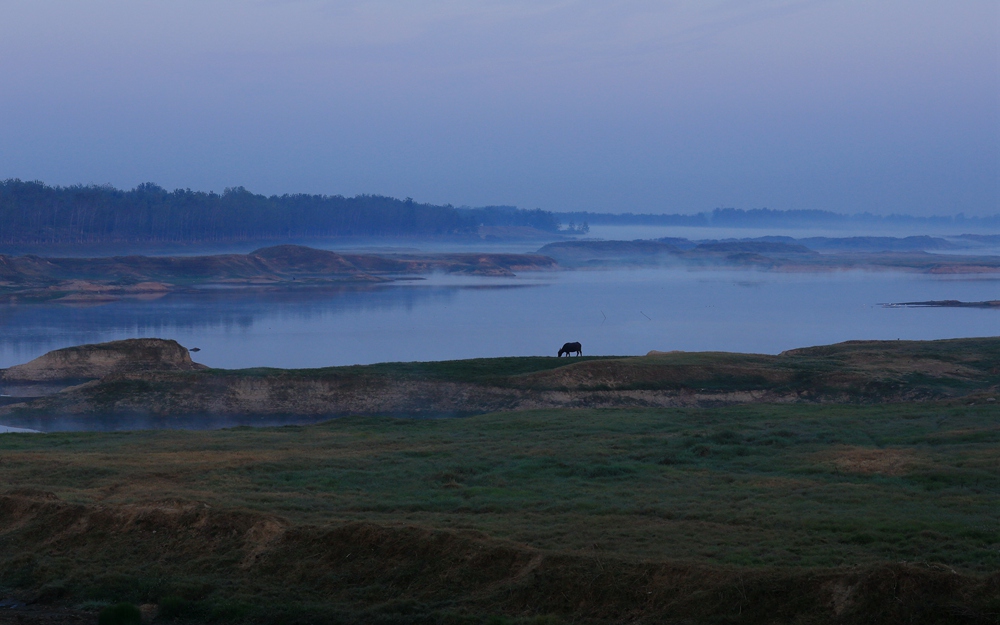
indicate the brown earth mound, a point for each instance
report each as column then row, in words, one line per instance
column 384, row 572
column 99, row 360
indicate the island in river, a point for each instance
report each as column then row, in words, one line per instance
column 766, row 255
column 34, row 278
column 944, row 303
column 95, row 280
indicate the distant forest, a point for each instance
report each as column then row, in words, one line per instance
column 33, row 212
column 763, row 217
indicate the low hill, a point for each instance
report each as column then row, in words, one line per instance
column 90, row 362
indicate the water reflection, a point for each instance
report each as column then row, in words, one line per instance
column 203, row 317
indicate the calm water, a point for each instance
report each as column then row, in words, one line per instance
column 610, row 312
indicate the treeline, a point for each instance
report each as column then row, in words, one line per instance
column 763, row 217
column 511, row 216
column 33, row 212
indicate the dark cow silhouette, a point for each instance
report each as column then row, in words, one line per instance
column 571, row 348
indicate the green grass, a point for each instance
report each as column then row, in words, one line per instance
column 755, row 486
column 475, row 370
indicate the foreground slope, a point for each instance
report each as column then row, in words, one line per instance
column 745, row 514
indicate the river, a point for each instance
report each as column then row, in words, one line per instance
column 624, row 312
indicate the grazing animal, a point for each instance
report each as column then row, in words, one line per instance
column 571, row 348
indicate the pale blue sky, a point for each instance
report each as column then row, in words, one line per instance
column 620, row 105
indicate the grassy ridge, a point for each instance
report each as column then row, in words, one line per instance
column 852, row 372
column 473, row 370
column 944, row 363
column 944, row 367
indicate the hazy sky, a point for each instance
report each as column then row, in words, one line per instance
column 612, row 105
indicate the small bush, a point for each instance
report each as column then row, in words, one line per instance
column 120, row 614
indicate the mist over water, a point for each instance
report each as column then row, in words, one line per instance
column 621, row 312
column 614, row 232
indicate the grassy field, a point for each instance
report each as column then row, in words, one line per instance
column 756, row 489
column 751, row 485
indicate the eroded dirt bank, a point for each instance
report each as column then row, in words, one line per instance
column 164, row 394
column 186, row 554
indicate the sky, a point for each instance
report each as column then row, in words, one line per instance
column 651, row 106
